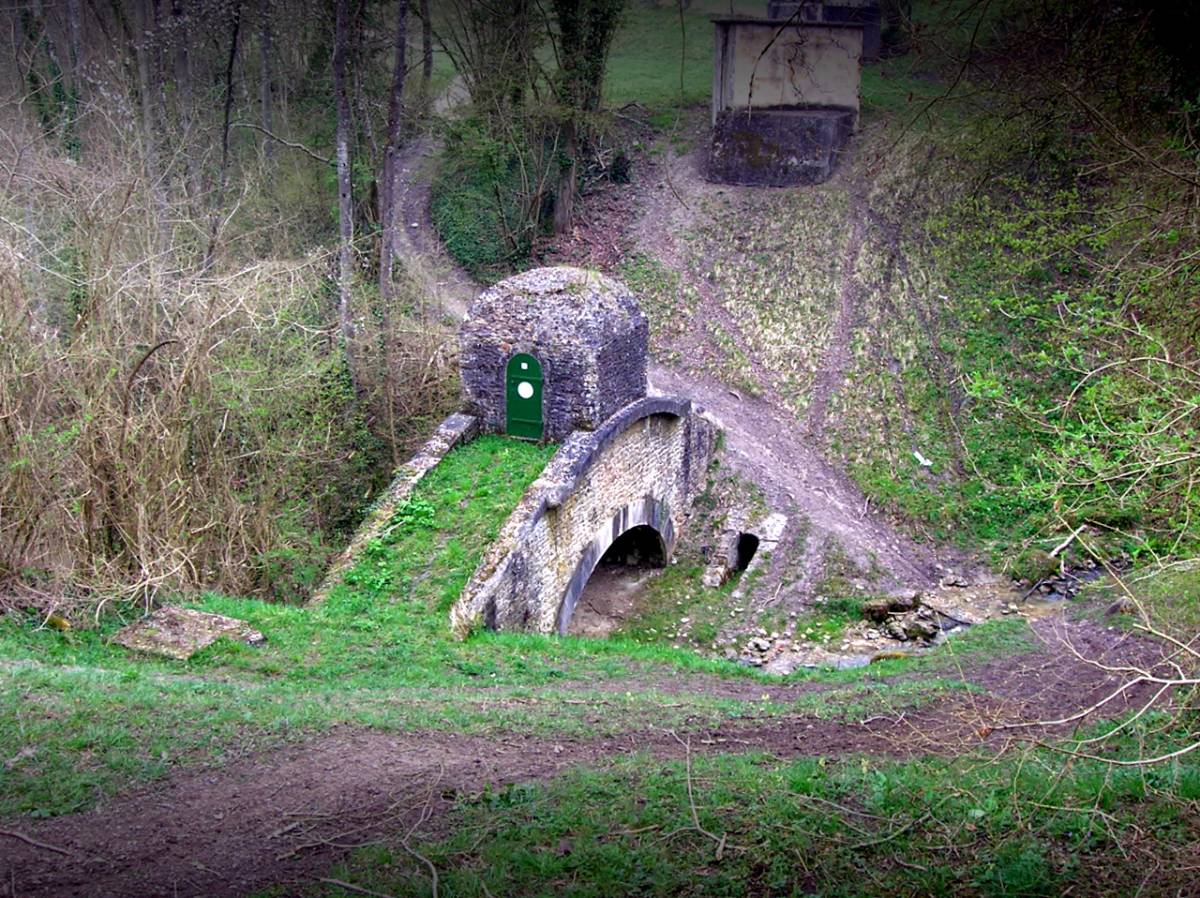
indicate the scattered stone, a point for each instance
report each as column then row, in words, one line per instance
column 1122, row 605
column 955, row 581
column 881, row 609
column 877, row 609
column 917, row 627
column 180, row 633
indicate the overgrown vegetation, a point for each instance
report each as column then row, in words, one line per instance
column 377, row 653
column 179, row 409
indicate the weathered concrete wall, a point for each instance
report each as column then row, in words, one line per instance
column 586, row 330
column 777, row 147
column 454, row 430
column 845, row 12
column 644, row 465
column 795, row 65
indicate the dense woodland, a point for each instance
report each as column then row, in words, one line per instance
column 217, row 343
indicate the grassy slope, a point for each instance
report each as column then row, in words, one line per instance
column 81, row 718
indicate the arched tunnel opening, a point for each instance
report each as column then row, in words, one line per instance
column 747, row 546
column 612, row 590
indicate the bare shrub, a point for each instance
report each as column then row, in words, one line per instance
column 163, row 428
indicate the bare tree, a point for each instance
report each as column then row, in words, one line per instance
column 150, row 126
column 183, row 84
column 266, row 87
column 426, row 47
column 387, row 187
column 235, row 32
column 585, row 33
column 341, row 90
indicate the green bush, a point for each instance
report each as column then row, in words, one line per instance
column 485, row 201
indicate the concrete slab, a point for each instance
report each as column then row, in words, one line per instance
column 180, row 633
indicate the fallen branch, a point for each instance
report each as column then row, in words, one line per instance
column 351, row 887
column 287, row 143
column 1066, row 542
column 21, row 837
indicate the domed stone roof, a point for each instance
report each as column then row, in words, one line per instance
column 549, row 305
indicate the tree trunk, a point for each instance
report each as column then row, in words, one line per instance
column 387, row 186
column 388, row 213
column 183, row 85
column 186, row 111
column 75, row 43
column 564, row 203
column 149, row 123
column 426, row 49
column 267, row 80
column 341, row 89
column 235, row 32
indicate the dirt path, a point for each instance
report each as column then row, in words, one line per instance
column 282, row 819
column 449, row 288
column 832, row 372
column 765, row 442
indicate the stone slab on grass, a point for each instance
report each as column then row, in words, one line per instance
column 180, row 633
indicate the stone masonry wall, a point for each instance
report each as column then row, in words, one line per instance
column 644, row 465
column 586, row 330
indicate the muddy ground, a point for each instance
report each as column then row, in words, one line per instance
column 284, row 817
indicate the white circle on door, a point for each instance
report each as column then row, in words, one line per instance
column 525, row 389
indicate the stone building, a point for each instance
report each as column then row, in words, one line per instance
column 550, row 351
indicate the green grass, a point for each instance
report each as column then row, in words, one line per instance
column 644, row 64
column 978, row 826
column 1169, row 596
column 377, row 653
column 82, row 718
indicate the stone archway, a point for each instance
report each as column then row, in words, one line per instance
column 612, row 594
column 649, row 513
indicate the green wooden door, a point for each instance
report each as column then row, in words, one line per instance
column 524, row 403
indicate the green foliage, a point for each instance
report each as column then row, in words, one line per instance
column 479, row 201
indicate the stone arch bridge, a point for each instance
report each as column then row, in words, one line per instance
column 643, row 466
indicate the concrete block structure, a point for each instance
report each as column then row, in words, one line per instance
column 785, row 99
column 843, row 12
column 551, row 351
